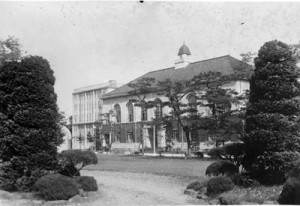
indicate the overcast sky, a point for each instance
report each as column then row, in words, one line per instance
column 88, row 43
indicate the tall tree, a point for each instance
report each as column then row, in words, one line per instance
column 29, row 117
column 272, row 124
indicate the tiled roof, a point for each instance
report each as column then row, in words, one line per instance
column 223, row 64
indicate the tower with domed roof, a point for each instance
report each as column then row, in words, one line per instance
column 184, row 57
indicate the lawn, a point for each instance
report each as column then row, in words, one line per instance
column 155, row 165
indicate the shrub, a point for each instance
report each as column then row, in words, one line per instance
column 217, row 185
column 68, row 160
column 197, row 185
column 87, row 183
column 26, row 182
column 243, row 181
column 221, row 167
column 30, row 131
column 69, row 171
column 290, row 192
column 56, row 187
column 216, row 153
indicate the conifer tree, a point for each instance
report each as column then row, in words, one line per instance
column 272, row 124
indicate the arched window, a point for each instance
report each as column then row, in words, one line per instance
column 130, row 112
column 117, row 109
column 158, row 108
column 192, row 101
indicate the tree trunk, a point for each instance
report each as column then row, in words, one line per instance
column 188, row 141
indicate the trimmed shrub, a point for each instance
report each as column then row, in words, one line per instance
column 69, row 159
column 69, row 171
column 295, row 172
column 243, row 181
column 197, row 185
column 221, row 167
column 87, row 183
column 56, row 187
column 26, row 182
column 216, row 153
column 290, row 194
column 217, row 185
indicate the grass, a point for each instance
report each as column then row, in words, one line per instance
column 155, row 165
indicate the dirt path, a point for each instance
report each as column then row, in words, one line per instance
column 123, row 188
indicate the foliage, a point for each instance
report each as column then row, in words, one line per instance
column 295, row 171
column 69, row 170
column 217, row 185
column 56, row 187
column 89, row 137
column 272, row 123
column 8, row 176
column 243, row 180
column 253, row 195
column 290, row 194
column 197, row 185
column 87, row 183
column 233, row 152
column 10, row 50
column 216, row 153
column 29, row 117
column 73, row 158
column 221, row 167
column 26, row 182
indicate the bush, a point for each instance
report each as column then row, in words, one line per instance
column 290, row 194
column 243, row 181
column 87, row 183
column 56, row 187
column 197, row 185
column 69, row 171
column 26, row 182
column 221, row 167
column 216, row 153
column 217, row 185
column 69, row 159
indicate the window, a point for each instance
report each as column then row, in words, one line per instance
column 118, row 113
column 130, row 112
column 158, row 108
column 192, row 103
column 144, row 116
column 175, row 135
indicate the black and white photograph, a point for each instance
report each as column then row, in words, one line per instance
column 139, row 103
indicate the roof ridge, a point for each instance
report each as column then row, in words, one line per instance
column 159, row 70
column 228, row 55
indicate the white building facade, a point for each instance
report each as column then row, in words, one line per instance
column 87, row 107
column 129, row 123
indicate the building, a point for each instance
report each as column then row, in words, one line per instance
column 128, row 124
column 67, row 140
column 87, row 107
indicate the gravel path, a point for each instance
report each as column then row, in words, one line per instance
column 124, row 188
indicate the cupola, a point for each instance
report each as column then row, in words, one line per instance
column 184, row 57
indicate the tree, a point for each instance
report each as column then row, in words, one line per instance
column 29, row 119
column 10, row 50
column 140, row 89
column 272, row 124
column 225, row 121
column 80, row 139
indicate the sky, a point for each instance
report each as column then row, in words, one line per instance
column 92, row 42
